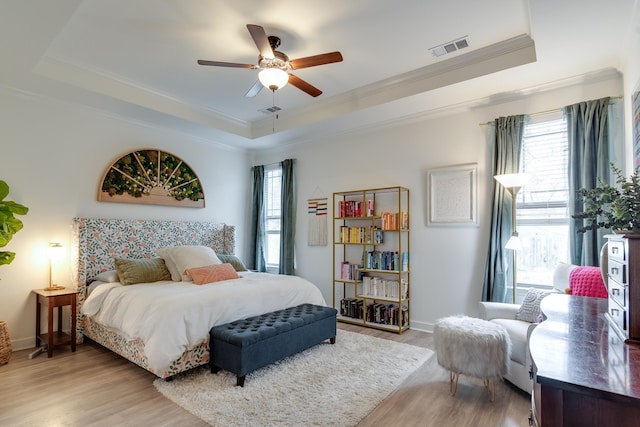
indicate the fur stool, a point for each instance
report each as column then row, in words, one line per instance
column 474, row 347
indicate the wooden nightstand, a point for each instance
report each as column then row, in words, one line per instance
column 55, row 298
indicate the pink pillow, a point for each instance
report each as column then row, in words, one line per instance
column 587, row 281
column 212, row 273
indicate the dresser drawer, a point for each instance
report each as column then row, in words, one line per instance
column 617, row 271
column 618, row 293
column 615, row 250
column 618, row 315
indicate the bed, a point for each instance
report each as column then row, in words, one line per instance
column 177, row 340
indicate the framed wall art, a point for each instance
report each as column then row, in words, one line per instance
column 452, row 193
column 152, row 177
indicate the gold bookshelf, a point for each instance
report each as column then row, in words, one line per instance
column 371, row 257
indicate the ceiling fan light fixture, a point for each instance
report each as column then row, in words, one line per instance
column 273, row 78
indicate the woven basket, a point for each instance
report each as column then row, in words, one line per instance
column 5, row 343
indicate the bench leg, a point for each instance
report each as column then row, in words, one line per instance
column 332, row 340
column 240, row 381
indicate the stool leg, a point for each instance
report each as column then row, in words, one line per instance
column 453, row 383
column 491, row 389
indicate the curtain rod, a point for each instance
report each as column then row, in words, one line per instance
column 539, row 113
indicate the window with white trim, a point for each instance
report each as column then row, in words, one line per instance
column 272, row 189
column 542, row 205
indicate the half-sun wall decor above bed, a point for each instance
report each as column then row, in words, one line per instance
column 151, row 177
column 163, row 326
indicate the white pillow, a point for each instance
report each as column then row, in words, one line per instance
column 164, row 253
column 186, row 257
column 561, row 276
column 108, row 276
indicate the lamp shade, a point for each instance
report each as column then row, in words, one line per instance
column 514, row 243
column 273, row 78
column 513, row 180
column 55, row 251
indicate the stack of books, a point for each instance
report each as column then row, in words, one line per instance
column 352, row 307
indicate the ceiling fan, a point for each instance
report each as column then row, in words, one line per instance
column 275, row 67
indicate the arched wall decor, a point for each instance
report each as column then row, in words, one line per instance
column 151, row 177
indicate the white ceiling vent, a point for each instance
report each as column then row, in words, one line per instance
column 271, row 110
column 450, row 47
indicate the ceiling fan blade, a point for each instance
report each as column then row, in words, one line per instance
column 304, row 86
column 255, row 89
column 225, row 64
column 261, row 40
column 312, row 61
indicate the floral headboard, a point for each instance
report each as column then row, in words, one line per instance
column 97, row 241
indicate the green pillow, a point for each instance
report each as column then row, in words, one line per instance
column 145, row 270
column 234, row 261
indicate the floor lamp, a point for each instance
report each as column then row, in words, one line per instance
column 513, row 182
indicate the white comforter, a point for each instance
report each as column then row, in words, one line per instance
column 171, row 317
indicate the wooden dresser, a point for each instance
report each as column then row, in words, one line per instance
column 623, row 270
column 585, row 374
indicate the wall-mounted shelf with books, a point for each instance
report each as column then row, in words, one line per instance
column 371, row 241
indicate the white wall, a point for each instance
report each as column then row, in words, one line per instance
column 447, row 263
column 53, row 157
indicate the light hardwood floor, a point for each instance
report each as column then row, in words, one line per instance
column 95, row 387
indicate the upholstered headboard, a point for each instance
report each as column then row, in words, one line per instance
column 97, row 241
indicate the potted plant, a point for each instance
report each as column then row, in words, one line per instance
column 613, row 207
column 9, row 225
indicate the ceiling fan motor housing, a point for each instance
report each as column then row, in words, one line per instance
column 279, row 60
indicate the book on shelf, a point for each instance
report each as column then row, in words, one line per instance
column 365, row 235
column 350, row 271
column 387, row 260
column 352, row 307
column 394, row 220
column 387, row 314
column 350, row 208
column 405, row 261
column 379, row 287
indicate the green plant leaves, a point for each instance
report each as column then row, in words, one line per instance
column 615, row 208
column 6, row 257
column 9, row 225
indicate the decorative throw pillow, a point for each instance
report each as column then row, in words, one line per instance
column 212, row 273
column 233, row 260
column 108, row 276
column 530, row 308
column 186, row 257
column 145, row 270
column 587, row 281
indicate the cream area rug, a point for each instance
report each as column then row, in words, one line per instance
column 326, row 385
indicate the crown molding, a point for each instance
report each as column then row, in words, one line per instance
column 98, row 81
column 506, row 54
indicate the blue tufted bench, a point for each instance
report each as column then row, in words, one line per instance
column 245, row 345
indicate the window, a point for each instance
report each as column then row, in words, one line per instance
column 272, row 187
column 542, row 205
